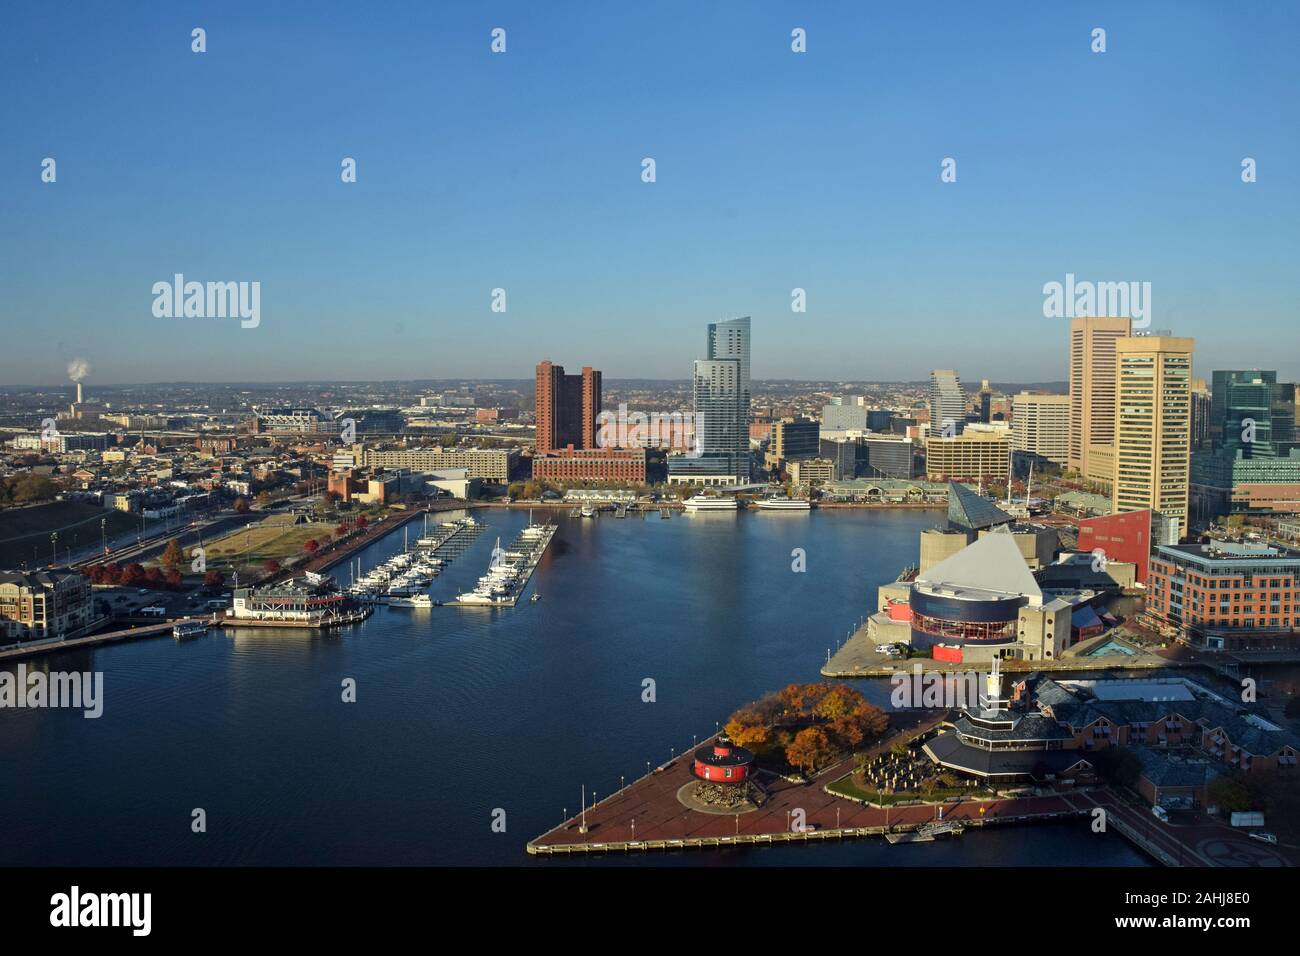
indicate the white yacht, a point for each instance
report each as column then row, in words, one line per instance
column 476, row 597
column 415, row 600
column 709, row 503
column 784, row 504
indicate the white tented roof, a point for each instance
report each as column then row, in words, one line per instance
column 993, row 564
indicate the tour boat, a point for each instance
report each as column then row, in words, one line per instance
column 188, row 629
column 784, row 504
column 707, row 503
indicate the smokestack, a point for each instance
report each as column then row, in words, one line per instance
column 78, row 393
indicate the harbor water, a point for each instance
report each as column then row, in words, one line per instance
column 465, row 715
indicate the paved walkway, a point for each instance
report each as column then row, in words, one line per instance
column 1206, row 842
column 648, row 809
column 108, row 637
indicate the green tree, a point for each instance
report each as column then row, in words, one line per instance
column 1117, row 765
column 1229, row 794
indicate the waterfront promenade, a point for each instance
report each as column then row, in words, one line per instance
column 647, row 814
column 108, row 637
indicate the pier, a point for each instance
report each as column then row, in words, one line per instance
column 449, row 540
column 37, row 648
column 647, row 815
column 523, row 556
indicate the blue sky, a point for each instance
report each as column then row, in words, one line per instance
column 775, row 170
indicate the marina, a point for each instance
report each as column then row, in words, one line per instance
column 509, row 570
column 403, row 579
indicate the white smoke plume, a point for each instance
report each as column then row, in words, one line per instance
column 78, row 369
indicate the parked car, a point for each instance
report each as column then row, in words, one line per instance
column 1160, row 813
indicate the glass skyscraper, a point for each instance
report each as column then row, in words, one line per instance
column 721, row 394
column 1253, row 462
column 730, row 341
column 947, row 402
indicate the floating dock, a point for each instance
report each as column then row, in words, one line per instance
column 926, row 833
column 523, row 554
column 450, row 540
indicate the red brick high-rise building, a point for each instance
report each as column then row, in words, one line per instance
column 567, row 407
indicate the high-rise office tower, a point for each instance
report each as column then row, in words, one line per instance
column 1253, row 463
column 1202, row 405
column 1253, row 412
column 566, row 407
column 947, row 403
column 986, row 402
column 1092, row 384
column 794, row 439
column 1040, row 425
column 730, row 341
column 1153, row 425
column 717, row 427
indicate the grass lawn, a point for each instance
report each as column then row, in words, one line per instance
column 23, row 530
column 273, row 538
column 847, row 787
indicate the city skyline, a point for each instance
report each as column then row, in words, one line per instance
column 749, row 437
column 528, row 177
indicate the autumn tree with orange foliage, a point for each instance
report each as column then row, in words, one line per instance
column 751, row 726
column 810, row 747
column 840, row 716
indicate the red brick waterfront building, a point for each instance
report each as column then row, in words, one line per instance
column 1225, row 596
column 566, row 407
column 591, row 464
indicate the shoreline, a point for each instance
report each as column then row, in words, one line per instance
column 610, row 825
column 677, row 505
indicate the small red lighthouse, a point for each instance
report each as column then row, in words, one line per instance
column 723, row 762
